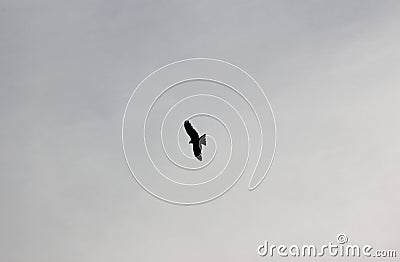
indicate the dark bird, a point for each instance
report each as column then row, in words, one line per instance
column 195, row 140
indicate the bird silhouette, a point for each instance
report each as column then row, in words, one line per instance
column 195, row 140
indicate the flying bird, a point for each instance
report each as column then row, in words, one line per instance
column 195, row 140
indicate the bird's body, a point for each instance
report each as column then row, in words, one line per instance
column 195, row 140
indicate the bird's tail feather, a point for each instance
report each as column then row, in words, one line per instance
column 203, row 140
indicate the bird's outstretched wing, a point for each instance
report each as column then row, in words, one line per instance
column 191, row 131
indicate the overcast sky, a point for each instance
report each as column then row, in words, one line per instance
column 67, row 69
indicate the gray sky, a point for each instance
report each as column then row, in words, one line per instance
column 329, row 68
